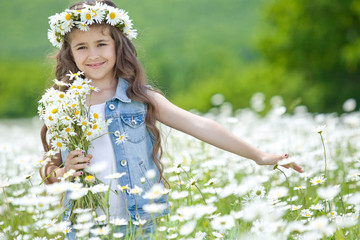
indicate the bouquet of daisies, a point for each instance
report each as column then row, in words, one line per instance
column 71, row 126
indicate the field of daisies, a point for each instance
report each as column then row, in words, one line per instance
column 214, row 194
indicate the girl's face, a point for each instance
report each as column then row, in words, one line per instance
column 94, row 52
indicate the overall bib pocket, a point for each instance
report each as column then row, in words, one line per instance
column 134, row 126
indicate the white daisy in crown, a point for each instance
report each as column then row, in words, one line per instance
column 82, row 26
column 114, row 16
column 87, row 16
column 98, row 12
column 55, row 40
column 62, row 23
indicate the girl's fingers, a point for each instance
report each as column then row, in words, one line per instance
column 78, row 174
column 75, row 153
column 294, row 166
column 80, row 166
column 297, row 168
column 78, row 160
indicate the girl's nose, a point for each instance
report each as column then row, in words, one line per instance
column 93, row 53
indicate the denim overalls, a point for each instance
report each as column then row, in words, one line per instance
column 133, row 156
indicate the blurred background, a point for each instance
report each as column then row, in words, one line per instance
column 306, row 51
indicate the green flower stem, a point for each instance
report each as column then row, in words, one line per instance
column 322, row 140
column 52, row 173
column 287, row 181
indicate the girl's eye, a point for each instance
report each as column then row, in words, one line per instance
column 80, row 48
column 102, row 44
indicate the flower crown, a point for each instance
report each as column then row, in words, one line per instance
column 62, row 23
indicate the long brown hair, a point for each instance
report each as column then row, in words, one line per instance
column 128, row 67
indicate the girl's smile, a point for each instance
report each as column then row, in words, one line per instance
column 95, row 65
column 94, row 53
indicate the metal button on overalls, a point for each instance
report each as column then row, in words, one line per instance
column 111, row 106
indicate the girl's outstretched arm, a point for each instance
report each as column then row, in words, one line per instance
column 211, row 132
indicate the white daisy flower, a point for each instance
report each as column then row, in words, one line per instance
column 306, row 213
column 300, row 187
column 317, row 180
column 154, row 207
column 225, row 222
column 122, row 138
column 74, row 75
column 101, row 231
column 192, row 181
column 82, row 26
column 115, row 175
column 320, row 129
column 188, row 228
column 317, row 206
column 87, row 16
column 98, row 12
column 136, row 190
column 329, row 192
column 113, row 17
column 155, row 192
column 55, row 39
column 119, row 221
column 99, row 188
column 295, row 207
column 54, row 20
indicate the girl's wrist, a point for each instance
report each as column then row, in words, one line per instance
column 259, row 157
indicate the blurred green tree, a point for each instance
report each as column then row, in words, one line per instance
column 321, row 41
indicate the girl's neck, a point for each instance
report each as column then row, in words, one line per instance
column 107, row 90
column 105, row 84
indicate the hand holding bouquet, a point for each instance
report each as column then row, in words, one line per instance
column 71, row 126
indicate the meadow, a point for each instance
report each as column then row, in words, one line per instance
column 214, row 194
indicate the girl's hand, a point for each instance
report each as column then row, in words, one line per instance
column 77, row 161
column 272, row 159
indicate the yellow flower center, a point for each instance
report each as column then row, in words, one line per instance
column 88, row 16
column 77, row 112
column 54, row 110
column 84, row 123
column 89, row 133
column 62, row 95
column 59, row 144
column 72, row 87
column 96, row 115
column 79, row 87
column 68, row 17
column 94, row 127
column 89, row 177
column 50, row 118
column 67, row 130
column 94, row 13
column 318, row 181
column 74, row 105
column 112, row 15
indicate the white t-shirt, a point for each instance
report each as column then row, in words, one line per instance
column 103, row 153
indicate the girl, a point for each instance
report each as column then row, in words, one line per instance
column 95, row 38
